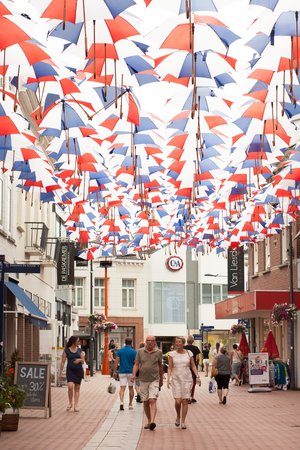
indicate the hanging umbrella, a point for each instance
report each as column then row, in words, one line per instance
column 243, row 345
column 270, row 346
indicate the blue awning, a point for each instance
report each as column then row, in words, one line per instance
column 37, row 316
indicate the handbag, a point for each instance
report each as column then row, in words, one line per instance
column 112, row 387
column 214, row 372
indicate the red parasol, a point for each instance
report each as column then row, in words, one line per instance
column 270, row 346
column 244, row 346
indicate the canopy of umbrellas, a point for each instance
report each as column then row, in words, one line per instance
column 154, row 122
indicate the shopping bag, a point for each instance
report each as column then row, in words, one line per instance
column 212, row 386
column 112, row 387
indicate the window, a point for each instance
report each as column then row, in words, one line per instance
column 78, row 292
column 255, row 259
column 267, row 254
column 99, row 292
column 224, row 291
column 9, row 209
column 206, row 293
column 167, row 303
column 284, row 245
column 128, row 293
column 216, row 293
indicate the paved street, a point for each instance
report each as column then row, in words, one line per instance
column 259, row 420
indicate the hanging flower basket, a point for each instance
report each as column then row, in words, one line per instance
column 237, row 328
column 283, row 311
column 100, row 323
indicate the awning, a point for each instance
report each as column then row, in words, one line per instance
column 37, row 316
column 253, row 304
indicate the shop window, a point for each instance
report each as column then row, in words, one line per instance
column 128, row 293
column 78, row 292
column 167, row 303
column 99, row 292
column 206, row 293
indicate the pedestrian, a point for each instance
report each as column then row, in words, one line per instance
column 111, row 343
column 137, row 381
column 196, row 353
column 222, row 364
column 236, row 359
column 205, row 354
column 125, row 358
column 111, row 359
column 216, row 350
column 75, row 357
column 181, row 363
column 149, row 363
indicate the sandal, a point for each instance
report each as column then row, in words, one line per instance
column 183, row 426
column 177, row 422
column 69, row 407
column 76, row 409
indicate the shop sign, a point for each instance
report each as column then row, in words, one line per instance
column 258, row 368
column 65, row 263
column 174, row 263
column 236, row 270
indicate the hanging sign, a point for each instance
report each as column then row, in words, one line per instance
column 174, row 263
column 65, row 263
column 235, row 270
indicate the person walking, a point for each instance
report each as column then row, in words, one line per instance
column 181, row 364
column 149, row 364
column 137, row 381
column 111, row 359
column 196, row 353
column 75, row 357
column 236, row 359
column 205, row 360
column 124, row 359
column 222, row 364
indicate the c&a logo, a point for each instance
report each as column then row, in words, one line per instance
column 174, row 263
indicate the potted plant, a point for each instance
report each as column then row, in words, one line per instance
column 100, row 323
column 12, row 397
column 283, row 311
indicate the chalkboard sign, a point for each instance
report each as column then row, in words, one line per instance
column 34, row 377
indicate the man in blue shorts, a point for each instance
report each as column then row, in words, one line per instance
column 125, row 357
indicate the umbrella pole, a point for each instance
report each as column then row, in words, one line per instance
column 17, row 89
column 84, row 27
column 94, row 40
column 116, row 90
column 64, row 14
column 297, row 43
column 283, row 94
column 4, row 58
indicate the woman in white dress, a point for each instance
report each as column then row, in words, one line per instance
column 181, row 363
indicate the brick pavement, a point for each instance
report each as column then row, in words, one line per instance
column 259, row 421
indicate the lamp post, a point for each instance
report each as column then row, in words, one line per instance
column 105, row 365
column 91, row 363
column 292, row 330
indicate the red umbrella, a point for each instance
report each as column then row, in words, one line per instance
column 244, row 346
column 270, row 346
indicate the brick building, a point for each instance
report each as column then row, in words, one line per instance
column 269, row 280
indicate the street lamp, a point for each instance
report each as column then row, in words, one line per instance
column 214, row 275
column 105, row 365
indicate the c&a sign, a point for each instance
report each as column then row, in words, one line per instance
column 174, row 263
